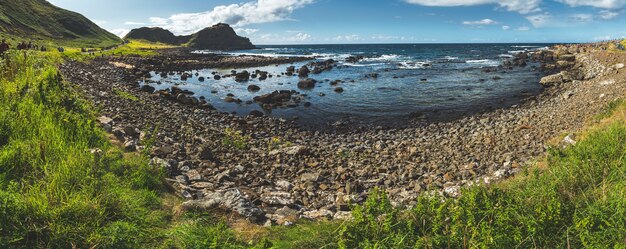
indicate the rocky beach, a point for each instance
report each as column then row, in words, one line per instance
column 272, row 171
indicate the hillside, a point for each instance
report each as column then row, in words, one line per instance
column 156, row 35
column 217, row 37
column 39, row 19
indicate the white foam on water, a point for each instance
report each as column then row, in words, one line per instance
column 485, row 62
column 414, row 65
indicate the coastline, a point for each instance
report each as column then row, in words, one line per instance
column 316, row 174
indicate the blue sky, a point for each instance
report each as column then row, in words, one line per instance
column 370, row 21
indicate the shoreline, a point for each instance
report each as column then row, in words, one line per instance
column 273, row 165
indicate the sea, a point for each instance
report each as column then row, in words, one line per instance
column 415, row 81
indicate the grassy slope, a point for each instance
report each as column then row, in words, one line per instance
column 38, row 19
column 55, row 193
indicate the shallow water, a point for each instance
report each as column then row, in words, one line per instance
column 455, row 85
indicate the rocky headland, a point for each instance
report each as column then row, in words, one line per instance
column 271, row 171
column 217, row 37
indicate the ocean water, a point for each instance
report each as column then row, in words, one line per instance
column 425, row 81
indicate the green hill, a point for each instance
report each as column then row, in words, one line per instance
column 38, row 19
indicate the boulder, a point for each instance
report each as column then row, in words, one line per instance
column 147, row 88
column 242, row 76
column 307, row 83
column 231, row 200
column 253, row 88
column 304, row 71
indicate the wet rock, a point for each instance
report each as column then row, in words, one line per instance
column 253, row 88
column 338, row 90
column 242, row 76
column 147, row 88
column 303, row 72
column 256, row 113
column 307, row 84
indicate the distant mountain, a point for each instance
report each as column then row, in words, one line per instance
column 218, row 37
column 40, row 19
column 156, row 35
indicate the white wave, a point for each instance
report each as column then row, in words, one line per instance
column 484, row 62
column 385, row 57
column 364, row 65
column 450, row 58
column 506, row 56
column 413, row 65
column 517, row 51
column 525, row 46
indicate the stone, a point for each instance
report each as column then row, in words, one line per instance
column 277, row 199
column 147, row 88
column 230, row 200
column 310, row 177
column 285, row 185
column 307, row 84
column 293, row 151
column 253, row 88
column 205, row 153
column 130, row 146
column 338, row 90
column 321, row 214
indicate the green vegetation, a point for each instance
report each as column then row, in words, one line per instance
column 63, row 185
column 40, row 20
column 125, row 95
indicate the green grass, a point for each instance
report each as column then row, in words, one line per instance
column 54, row 193
column 125, row 95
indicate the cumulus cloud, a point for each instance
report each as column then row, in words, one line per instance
column 300, row 38
column 581, row 18
column 246, row 31
column 605, row 4
column 540, row 20
column 607, row 14
column 505, row 27
column 523, row 28
column 119, row 32
column 134, row 23
column 480, row 22
column 237, row 15
column 521, row 6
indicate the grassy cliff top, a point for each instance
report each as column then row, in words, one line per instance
column 40, row 20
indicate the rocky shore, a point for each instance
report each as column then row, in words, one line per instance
column 272, row 172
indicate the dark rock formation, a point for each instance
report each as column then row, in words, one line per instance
column 219, row 37
column 156, row 35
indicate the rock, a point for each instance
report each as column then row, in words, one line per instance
column 343, row 215
column 321, row 214
column 285, row 185
column 256, row 113
column 253, row 88
column 205, row 153
column 242, row 76
column 310, row 177
column 618, row 66
column 569, row 139
column 304, row 71
column 131, row 131
column 274, row 98
column 219, row 37
column 147, row 88
column 130, row 146
column 307, row 84
column 201, row 79
column 553, row 80
column 217, row 77
column 293, row 151
column 338, row 90
column 277, row 199
column 452, row 191
column 231, row 200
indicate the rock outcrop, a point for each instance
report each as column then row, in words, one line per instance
column 156, row 35
column 219, row 37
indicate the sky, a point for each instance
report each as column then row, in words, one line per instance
column 370, row 21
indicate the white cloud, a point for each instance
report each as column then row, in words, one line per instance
column 282, row 38
column 605, row 4
column 480, row 22
column 119, row 32
column 246, row 31
column 581, row 18
column 521, row 6
column 348, row 38
column 134, row 23
column 99, row 22
column 540, row 20
column 237, row 15
column 523, row 28
column 505, row 27
column 607, row 14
